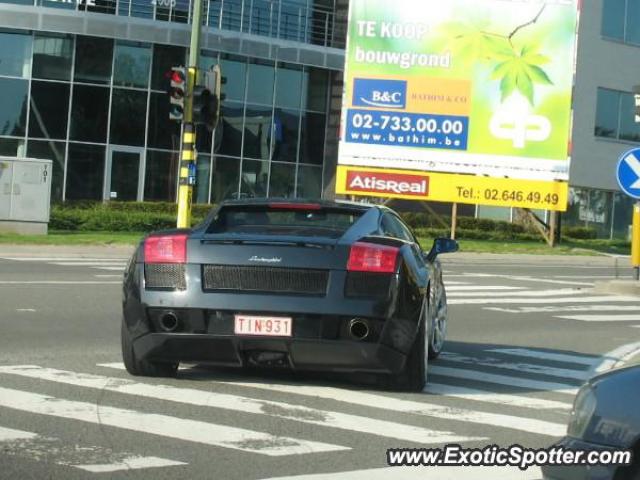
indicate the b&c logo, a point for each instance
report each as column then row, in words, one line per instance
column 379, row 93
column 390, row 183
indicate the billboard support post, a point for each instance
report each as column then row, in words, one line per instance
column 454, row 220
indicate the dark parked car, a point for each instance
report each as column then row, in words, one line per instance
column 327, row 286
column 605, row 416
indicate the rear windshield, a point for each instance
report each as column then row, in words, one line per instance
column 263, row 220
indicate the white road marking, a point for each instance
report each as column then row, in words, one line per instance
column 426, row 473
column 537, row 385
column 113, row 269
column 526, row 293
column 9, row 435
column 131, row 463
column 447, row 283
column 237, row 403
column 473, row 288
column 415, row 408
column 107, row 276
column 517, row 367
column 65, row 259
column 57, row 282
column 529, row 300
column 485, row 396
column 90, row 264
column 570, row 308
column 163, row 425
column 541, row 355
column 523, row 278
column 602, row 318
column 25, row 310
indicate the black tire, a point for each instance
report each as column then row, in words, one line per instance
column 413, row 378
column 142, row 368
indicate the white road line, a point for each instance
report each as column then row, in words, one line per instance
column 113, row 269
column 56, row 282
column 523, row 279
column 526, row 293
column 472, row 288
column 447, row 282
column 66, row 259
column 583, row 276
column 237, row 403
column 617, row 357
column 602, row 318
column 131, row 463
column 163, row 425
column 516, row 367
column 425, row 473
column 107, row 276
column 541, row 355
column 529, row 300
column 90, row 264
column 570, row 308
column 525, row 383
column 10, row 435
column 485, row 396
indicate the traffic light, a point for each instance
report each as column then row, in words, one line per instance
column 636, row 95
column 207, row 99
column 177, row 92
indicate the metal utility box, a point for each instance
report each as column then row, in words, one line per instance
column 25, row 193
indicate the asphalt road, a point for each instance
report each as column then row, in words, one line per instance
column 524, row 333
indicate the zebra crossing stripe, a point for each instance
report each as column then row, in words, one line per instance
column 485, row 396
column 602, row 318
column 131, row 463
column 524, row 383
column 541, row 355
column 90, row 264
column 569, row 308
column 283, row 410
column 479, row 288
column 548, row 300
column 162, row 425
column 66, row 259
column 527, row 293
column 425, row 473
column 10, row 435
column 382, row 402
column 518, row 367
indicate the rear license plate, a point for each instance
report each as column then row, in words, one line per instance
column 263, row 326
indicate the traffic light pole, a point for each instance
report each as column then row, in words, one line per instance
column 188, row 154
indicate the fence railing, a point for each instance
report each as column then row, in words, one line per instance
column 284, row 19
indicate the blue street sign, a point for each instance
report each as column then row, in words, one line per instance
column 629, row 173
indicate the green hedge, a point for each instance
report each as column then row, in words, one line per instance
column 119, row 216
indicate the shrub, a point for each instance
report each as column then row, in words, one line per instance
column 580, row 233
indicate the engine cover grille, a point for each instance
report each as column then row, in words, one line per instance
column 363, row 284
column 169, row 276
column 265, row 279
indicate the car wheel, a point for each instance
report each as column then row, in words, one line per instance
column 414, row 375
column 142, row 368
column 438, row 318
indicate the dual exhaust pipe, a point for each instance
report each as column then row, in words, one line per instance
column 169, row 322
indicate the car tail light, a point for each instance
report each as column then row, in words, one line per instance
column 165, row 249
column 369, row 257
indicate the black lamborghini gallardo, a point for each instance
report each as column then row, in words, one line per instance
column 325, row 286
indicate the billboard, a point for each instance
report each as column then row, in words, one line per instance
column 465, row 101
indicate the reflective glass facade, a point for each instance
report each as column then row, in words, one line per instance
column 98, row 108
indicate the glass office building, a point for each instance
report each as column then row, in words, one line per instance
column 83, row 83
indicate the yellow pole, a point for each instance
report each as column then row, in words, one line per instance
column 187, row 157
column 635, row 241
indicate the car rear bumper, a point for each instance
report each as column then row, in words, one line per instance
column 295, row 353
column 579, row 472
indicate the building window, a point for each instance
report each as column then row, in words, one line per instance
column 615, row 116
column 13, row 99
column 261, row 79
column 226, row 177
column 85, row 172
column 283, row 180
column 255, row 177
column 286, row 135
column 52, row 57
column 165, row 57
column 48, row 110
column 235, row 70
column 132, row 63
column 620, row 20
column 309, row 182
column 128, row 117
column 11, row 147
column 161, row 131
column 15, row 54
column 161, row 176
column 93, row 60
column 89, row 114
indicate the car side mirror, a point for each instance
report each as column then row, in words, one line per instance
column 442, row 245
